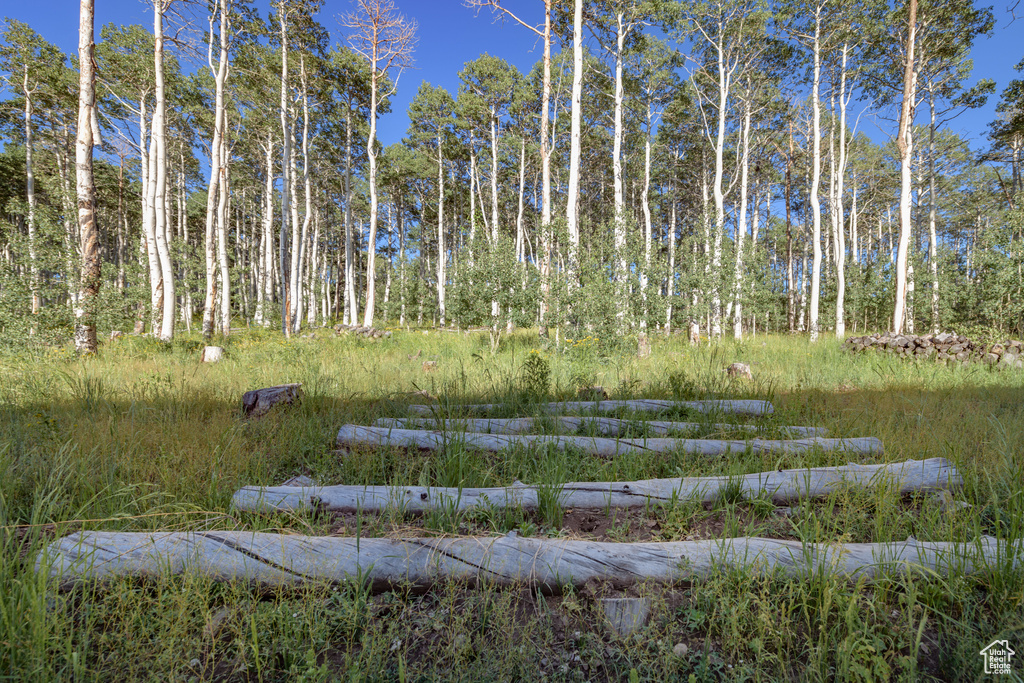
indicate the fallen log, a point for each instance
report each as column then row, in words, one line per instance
column 609, row 426
column 784, row 487
column 741, row 407
column 356, row 435
column 257, row 402
column 278, row 560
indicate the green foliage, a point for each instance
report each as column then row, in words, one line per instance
column 535, row 378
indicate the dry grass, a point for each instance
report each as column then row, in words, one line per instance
column 143, row 436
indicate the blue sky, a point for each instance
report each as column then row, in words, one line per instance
column 451, row 34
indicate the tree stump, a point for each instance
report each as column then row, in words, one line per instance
column 625, row 616
column 740, row 370
column 643, row 346
column 257, row 402
column 212, row 354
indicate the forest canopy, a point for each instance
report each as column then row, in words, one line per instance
column 697, row 166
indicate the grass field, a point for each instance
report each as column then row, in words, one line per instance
column 144, row 437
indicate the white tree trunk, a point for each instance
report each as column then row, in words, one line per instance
column 279, row 560
column 608, row 426
column 266, row 259
column 222, row 238
column 621, row 263
column 442, row 254
column 738, row 407
column 88, row 136
column 220, row 73
column 351, row 303
column 840, row 247
column 933, row 243
column 30, row 196
column 356, row 435
column 724, row 85
column 371, row 155
column 645, row 205
column 905, row 144
column 741, row 222
column 575, row 144
column 286, row 154
column 782, row 487
column 816, row 177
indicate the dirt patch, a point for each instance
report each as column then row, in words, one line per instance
column 634, row 525
column 614, row 525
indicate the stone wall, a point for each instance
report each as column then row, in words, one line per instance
column 945, row 347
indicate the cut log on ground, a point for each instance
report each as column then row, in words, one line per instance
column 608, row 426
column 784, row 487
column 639, row 405
column 258, row 401
column 279, row 560
column 356, row 435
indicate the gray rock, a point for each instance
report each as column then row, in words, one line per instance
column 990, row 359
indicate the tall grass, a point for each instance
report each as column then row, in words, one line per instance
column 144, row 437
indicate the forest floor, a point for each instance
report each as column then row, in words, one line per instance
column 144, row 437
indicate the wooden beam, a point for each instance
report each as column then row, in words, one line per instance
column 608, row 426
column 742, row 407
column 357, row 435
column 784, row 487
column 279, row 560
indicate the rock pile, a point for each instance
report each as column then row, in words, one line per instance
column 368, row 332
column 946, row 347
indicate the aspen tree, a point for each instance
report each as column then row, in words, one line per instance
column 88, row 136
column 385, row 39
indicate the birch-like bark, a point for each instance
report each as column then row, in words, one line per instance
column 295, row 250
column 548, row 565
column 782, row 487
column 351, row 303
column 30, row 196
column 605, row 426
column 741, row 222
column 840, row 246
column 621, row 264
column 816, row 177
column 739, row 407
column 442, row 253
column 575, row 144
column 645, row 206
column 265, row 281
column 933, row 243
column 905, row 145
column 307, row 193
column 378, row 437
column 88, row 135
column 371, row 155
column 220, row 73
column 222, row 238
column 286, row 155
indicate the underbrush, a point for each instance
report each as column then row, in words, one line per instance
column 145, row 437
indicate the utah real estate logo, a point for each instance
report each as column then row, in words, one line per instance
column 997, row 657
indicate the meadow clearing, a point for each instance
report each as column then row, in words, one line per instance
column 144, row 436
